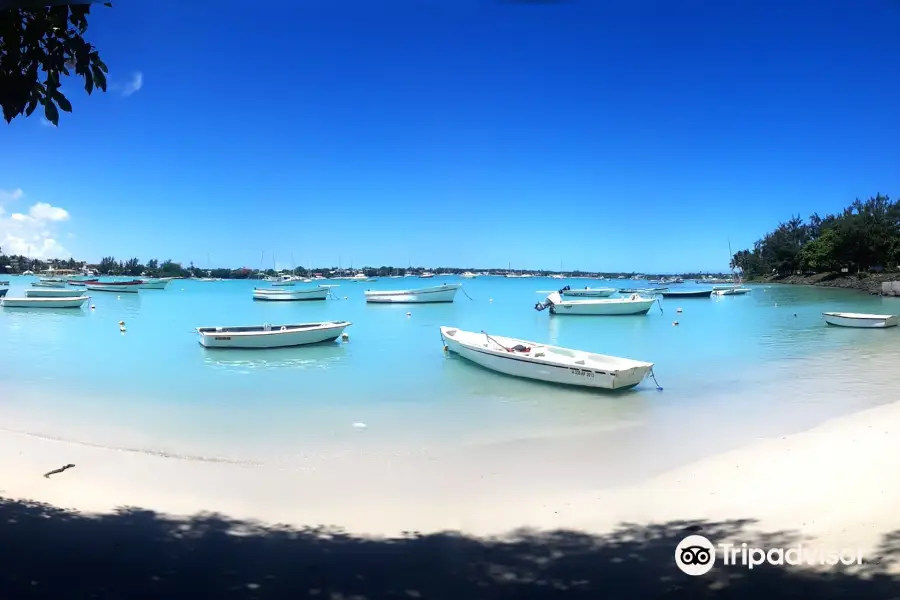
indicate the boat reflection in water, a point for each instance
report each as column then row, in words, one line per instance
column 314, row 356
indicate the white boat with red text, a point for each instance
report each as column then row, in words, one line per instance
column 271, row 336
column 553, row 364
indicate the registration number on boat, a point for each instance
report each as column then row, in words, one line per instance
column 222, row 338
column 582, row 372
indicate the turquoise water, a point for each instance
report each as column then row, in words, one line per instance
column 71, row 374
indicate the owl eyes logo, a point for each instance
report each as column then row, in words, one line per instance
column 695, row 555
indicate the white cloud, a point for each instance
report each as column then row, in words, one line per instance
column 31, row 234
column 11, row 195
column 44, row 212
column 136, row 83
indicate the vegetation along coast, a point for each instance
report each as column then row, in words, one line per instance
column 856, row 248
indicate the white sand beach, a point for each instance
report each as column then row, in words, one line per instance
column 834, row 483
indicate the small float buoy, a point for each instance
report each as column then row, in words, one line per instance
column 446, row 348
column 118, row 297
column 675, row 323
column 678, row 310
column 409, row 314
column 122, row 329
column 121, row 322
column 93, row 307
column 182, row 289
column 345, row 297
column 345, row 336
column 491, row 300
column 359, row 425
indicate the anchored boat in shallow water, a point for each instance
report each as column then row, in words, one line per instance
column 317, row 293
column 860, row 320
column 438, row 293
column 271, row 336
column 553, row 364
column 71, row 302
column 53, row 293
column 633, row 305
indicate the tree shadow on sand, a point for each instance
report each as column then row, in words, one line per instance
column 134, row 554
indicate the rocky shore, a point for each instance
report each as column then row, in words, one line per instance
column 864, row 282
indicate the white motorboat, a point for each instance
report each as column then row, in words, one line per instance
column 71, row 302
column 53, row 293
column 438, row 293
column 153, row 284
column 316, row 293
column 860, row 320
column 553, row 364
column 589, row 292
column 732, row 291
column 49, row 283
column 468, row 275
column 283, row 281
column 632, row 305
column 118, row 288
column 426, row 275
column 271, row 336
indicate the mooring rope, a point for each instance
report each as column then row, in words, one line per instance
column 653, row 375
column 464, row 292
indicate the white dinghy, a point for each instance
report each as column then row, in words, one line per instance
column 438, row 293
column 71, row 302
column 588, row 292
column 531, row 360
column 318, row 293
column 153, row 284
column 860, row 320
column 632, row 305
column 53, row 293
column 271, row 336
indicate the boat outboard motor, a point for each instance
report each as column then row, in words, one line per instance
column 565, row 289
column 540, row 306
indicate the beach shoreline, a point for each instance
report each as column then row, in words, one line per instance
column 828, row 483
column 870, row 283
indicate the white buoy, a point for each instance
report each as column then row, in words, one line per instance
column 345, row 336
column 118, row 297
column 491, row 300
column 93, row 307
column 678, row 310
column 345, row 297
column 675, row 323
column 121, row 322
column 409, row 314
column 122, row 329
column 359, row 425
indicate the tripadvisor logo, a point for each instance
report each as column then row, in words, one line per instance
column 696, row 555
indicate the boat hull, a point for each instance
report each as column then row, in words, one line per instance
column 51, row 293
column 276, row 336
column 290, row 295
column 49, row 284
column 590, row 293
column 3, row 292
column 691, row 294
column 443, row 293
column 517, row 365
column 154, row 284
column 860, row 321
column 118, row 289
column 72, row 302
column 732, row 292
column 601, row 309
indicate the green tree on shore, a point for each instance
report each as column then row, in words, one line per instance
column 865, row 235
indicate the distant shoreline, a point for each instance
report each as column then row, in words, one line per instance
column 869, row 283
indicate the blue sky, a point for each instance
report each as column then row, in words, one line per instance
column 622, row 135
